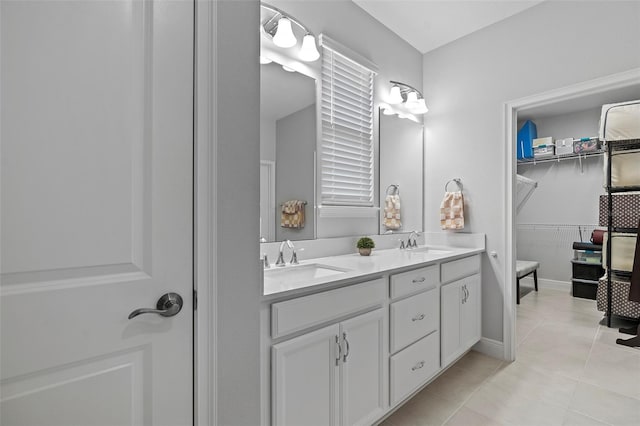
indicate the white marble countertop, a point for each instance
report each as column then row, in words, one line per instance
column 356, row 267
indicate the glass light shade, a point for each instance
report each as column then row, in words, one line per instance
column 264, row 60
column 412, row 99
column 309, row 51
column 284, row 34
column 288, row 69
column 420, row 107
column 395, row 97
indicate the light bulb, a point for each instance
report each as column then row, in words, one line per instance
column 395, row 97
column 288, row 69
column 309, row 51
column 284, row 34
column 412, row 99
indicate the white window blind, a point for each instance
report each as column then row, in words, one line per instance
column 346, row 152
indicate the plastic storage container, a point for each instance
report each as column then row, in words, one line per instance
column 527, row 133
column 564, row 146
column 585, row 145
column 543, row 151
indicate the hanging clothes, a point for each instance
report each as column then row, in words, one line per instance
column 634, row 290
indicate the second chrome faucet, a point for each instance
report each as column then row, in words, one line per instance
column 294, row 256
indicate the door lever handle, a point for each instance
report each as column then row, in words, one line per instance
column 168, row 305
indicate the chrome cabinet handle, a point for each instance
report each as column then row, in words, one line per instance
column 419, row 280
column 339, row 347
column 418, row 318
column 348, row 349
column 418, row 366
column 168, row 305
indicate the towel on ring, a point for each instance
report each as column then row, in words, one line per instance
column 292, row 215
column 392, row 212
column 452, row 211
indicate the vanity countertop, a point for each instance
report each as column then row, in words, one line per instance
column 344, row 269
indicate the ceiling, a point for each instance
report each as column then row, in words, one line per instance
column 429, row 24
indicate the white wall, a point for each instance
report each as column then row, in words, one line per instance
column 267, row 139
column 239, row 275
column 466, row 83
column 351, row 26
column 295, row 146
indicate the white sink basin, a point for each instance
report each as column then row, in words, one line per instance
column 430, row 250
column 301, row 273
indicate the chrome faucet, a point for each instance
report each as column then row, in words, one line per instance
column 413, row 243
column 294, row 256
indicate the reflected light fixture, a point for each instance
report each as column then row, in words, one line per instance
column 279, row 27
column 408, row 96
column 284, row 34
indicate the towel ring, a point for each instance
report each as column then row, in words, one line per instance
column 457, row 181
column 395, row 189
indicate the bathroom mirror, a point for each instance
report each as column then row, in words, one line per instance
column 402, row 171
column 287, row 152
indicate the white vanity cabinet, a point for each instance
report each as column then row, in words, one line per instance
column 414, row 339
column 460, row 326
column 336, row 375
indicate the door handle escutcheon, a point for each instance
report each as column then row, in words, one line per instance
column 168, row 305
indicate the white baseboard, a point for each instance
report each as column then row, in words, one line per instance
column 546, row 283
column 490, row 347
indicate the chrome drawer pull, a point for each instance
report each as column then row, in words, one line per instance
column 418, row 318
column 418, row 280
column 418, row 366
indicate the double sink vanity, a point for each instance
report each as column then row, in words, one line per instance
column 347, row 339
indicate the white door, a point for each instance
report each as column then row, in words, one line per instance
column 364, row 369
column 96, row 131
column 305, row 374
column 450, row 321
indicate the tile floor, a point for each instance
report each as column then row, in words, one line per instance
column 569, row 371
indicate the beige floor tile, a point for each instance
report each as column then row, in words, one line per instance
column 456, row 384
column 424, row 409
column 503, row 406
column 614, row 368
column 522, row 381
column 478, row 363
column 573, row 418
column 606, row 406
column 468, row 417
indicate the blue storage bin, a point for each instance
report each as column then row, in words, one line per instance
column 526, row 135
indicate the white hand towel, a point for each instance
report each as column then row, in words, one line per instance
column 392, row 212
column 452, row 211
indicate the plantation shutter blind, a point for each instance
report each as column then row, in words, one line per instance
column 346, row 149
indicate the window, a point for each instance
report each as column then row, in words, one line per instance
column 346, row 148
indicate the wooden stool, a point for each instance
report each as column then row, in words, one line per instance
column 524, row 268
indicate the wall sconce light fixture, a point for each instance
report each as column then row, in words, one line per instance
column 278, row 27
column 402, row 94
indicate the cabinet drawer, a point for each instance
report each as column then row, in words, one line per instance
column 414, row 318
column 460, row 268
column 414, row 281
column 414, row 366
column 304, row 312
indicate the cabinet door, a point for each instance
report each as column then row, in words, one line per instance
column 364, row 369
column 305, row 379
column 470, row 322
column 451, row 296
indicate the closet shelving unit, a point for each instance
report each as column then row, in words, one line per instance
column 557, row 158
column 617, row 147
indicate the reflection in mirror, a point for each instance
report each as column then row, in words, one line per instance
column 401, row 165
column 287, row 147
